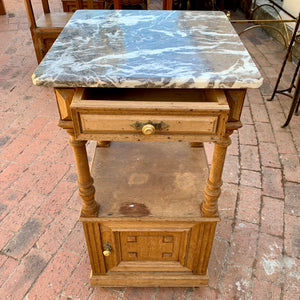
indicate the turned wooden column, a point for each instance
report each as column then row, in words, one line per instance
column 209, row 207
column 89, row 207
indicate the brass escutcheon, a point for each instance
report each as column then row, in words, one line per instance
column 107, row 249
column 149, row 127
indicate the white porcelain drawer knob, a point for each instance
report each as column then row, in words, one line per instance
column 148, row 129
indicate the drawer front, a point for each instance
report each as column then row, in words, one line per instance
column 93, row 126
column 148, row 120
column 93, row 123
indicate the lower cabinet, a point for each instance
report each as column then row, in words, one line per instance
column 149, row 230
column 154, row 253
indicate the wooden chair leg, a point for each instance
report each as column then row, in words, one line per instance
column 37, row 42
column 2, row 8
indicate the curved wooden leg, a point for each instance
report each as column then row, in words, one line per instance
column 209, row 207
column 89, row 207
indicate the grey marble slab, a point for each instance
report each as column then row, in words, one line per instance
column 148, row 49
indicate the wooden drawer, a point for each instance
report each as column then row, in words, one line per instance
column 169, row 115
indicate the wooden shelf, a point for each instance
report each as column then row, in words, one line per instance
column 153, row 180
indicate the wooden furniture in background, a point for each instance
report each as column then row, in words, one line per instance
column 2, row 8
column 70, row 5
column 129, row 4
column 45, row 29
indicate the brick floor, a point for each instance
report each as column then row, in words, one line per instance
column 256, row 252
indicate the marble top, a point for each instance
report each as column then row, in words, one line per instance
column 148, row 49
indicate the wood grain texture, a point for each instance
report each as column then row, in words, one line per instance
column 162, row 279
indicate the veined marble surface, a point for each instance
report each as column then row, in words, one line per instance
column 148, row 49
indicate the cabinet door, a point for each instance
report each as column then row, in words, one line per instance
column 136, row 250
column 157, row 246
column 173, row 247
column 150, row 246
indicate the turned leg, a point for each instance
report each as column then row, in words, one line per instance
column 212, row 190
column 89, row 207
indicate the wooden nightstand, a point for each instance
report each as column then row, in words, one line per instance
column 145, row 85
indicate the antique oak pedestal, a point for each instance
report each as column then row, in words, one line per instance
column 150, row 87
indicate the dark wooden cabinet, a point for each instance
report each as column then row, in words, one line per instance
column 70, row 5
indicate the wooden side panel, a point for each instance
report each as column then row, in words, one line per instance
column 192, row 247
column 235, row 99
column 64, row 98
column 202, row 253
column 94, row 245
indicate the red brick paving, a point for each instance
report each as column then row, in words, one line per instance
column 256, row 252
column 249, row 204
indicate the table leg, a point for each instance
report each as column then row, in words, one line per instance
column 212, row 190
column 117, row 4
column 89, row 207
column 167, row 4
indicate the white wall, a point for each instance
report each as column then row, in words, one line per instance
column 292, row 6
